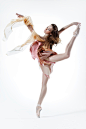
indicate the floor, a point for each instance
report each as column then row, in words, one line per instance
column 23, row 119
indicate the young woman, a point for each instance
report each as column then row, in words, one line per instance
column 41, row 49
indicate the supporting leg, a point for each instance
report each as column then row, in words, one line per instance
column 43, row 89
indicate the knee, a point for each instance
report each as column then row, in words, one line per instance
column 44, row 86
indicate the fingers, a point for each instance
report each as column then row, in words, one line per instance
column 79, row 24
column 17, row 14
column 76, row 23
column 44, row 55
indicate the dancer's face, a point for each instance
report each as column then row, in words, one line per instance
column 48, row 29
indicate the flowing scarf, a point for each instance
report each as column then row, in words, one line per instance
column 18, row 22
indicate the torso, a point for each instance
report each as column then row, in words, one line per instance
column 44, row 39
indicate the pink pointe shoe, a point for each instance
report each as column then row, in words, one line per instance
column 38, row 109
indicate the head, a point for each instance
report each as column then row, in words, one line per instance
column 48, row 29
column 52, row 34
column 51, row 30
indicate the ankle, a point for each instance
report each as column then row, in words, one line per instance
column 39, row 105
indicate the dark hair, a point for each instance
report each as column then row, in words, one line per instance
column 55, row 31
column 54, row 38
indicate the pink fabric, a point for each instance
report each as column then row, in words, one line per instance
column 33, row 50
column 47, row 75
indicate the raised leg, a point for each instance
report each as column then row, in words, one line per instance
column 70, row 44
column 65, row 55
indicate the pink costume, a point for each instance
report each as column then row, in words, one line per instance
column 33, row 49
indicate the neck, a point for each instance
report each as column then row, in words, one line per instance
column 46, row 35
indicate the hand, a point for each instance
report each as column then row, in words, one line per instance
column 19, row 15
column 45, row 54
column 76, row 23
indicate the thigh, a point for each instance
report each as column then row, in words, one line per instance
column 44, row 80
column 58, row 57
column 45, row 69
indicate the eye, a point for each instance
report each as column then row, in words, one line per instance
column 48, row 29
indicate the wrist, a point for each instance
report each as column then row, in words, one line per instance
column 72, row 23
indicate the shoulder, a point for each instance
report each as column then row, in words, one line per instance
column 61, row 30
column 41, row 37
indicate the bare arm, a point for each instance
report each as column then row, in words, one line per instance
column 19, row 15
column 67, row 26
column 29, row 26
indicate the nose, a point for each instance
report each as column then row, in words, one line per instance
column 45, row 29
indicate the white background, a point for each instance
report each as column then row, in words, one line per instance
column 20, row 75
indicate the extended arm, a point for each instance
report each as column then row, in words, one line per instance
column 29, row 26
column 67, row 26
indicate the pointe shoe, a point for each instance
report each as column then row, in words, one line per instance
column 38, row 109
column 76, row 33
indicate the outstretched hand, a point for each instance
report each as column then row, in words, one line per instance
column 19, row 15
column 76, row 23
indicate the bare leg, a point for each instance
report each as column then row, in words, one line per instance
column 70, row 44
column 42, row 94
column 65, row 55
column 54, row 58
column 43, row 89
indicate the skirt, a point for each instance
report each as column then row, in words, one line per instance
column 36, row 49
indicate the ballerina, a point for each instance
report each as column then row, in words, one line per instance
column 41, row 48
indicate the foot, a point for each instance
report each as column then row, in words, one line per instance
column 76, row 32
column 19, row 15
column 38, row 109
